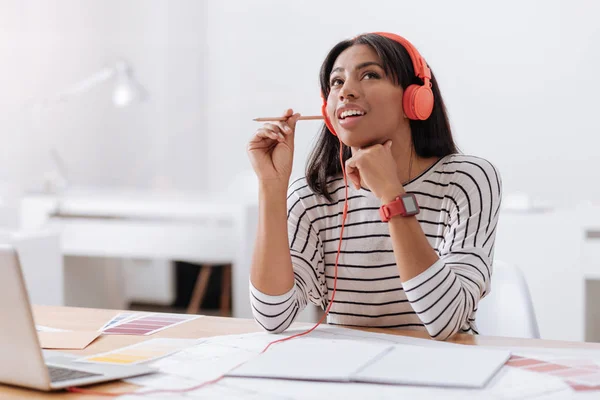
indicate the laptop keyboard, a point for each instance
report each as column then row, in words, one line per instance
column 58, row 374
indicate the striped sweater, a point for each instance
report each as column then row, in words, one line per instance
column 459, row 197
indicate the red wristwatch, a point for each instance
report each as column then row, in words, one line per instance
column 405, row 205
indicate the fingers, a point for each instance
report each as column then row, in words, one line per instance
column 286, row 127
column 264, row 133
column 352, row 172
column 277, row 130
column 292, row 121
column 288, row 113
column 277, row 127
column 280, row 126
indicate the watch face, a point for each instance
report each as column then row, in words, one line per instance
column 410, row 205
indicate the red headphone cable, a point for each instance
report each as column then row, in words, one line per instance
column 344, row 215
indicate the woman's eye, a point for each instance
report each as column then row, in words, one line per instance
column 336, row 82
column 371, row 75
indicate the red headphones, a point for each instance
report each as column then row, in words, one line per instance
column 417, row 100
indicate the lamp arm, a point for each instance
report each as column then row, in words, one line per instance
column 85, row 85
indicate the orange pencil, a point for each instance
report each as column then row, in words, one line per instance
column 302, row 118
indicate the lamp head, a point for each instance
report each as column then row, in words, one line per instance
column 127, row 90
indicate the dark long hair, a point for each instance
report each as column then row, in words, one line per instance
column 431, row 138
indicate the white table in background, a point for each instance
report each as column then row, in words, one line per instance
column 145, row 225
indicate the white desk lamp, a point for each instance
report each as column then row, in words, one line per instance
column 126, row 92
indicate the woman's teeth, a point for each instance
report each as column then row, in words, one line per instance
column 350, row 113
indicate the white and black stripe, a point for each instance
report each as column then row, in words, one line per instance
column 459, row 197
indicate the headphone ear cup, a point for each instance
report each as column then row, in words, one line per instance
column 327, row 121
column 417, row 102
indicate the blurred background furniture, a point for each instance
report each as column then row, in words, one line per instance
column 113, row 225
column 508, row 309
column 557, row 250
column 200, row 289
column 41, row 262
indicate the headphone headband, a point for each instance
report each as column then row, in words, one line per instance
column 419, row 63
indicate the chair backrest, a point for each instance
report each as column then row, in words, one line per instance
column 508, row 309
column 41, row 262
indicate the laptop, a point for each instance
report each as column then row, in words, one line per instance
column 22, row 362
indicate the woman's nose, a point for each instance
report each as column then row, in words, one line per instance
column 348, row 91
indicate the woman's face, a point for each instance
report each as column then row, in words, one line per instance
column 364, row 105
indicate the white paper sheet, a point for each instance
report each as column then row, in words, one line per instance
column 312, row 359
column 218, row 355
column 465, row 366
column 516, row 384
column 214, row 356
column 509, row 384
column 162, row 381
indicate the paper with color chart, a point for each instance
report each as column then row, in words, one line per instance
column 581, row 374
column 147, row 324
column 146, row 351
column 120, row 318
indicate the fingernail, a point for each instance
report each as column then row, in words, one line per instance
column 281, row 136
column 288, row 129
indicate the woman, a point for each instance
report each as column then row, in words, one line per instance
column 396, row 268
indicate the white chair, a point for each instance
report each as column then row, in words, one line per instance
column 508, row 309
column 41, row 263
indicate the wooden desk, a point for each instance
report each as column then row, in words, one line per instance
column 86, row 319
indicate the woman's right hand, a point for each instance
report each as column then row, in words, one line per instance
column 271, row 150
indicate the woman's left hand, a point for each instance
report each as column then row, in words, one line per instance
column 376, row 168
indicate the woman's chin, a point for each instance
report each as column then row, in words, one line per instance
column 356, row 140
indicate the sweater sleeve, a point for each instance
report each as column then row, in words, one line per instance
column 276, row 313
column 445, row 296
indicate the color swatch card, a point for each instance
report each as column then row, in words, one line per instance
column 120, row 318
column 141, row 352
column 580, row 374
column 148, row 324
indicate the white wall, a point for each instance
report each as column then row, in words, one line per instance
column 45, row 46
column 518, row 78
